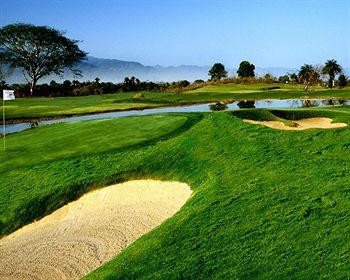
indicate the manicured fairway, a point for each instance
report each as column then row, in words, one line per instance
column 27, row 108
column 267, row 204
column 262, row 91
column 67, row 140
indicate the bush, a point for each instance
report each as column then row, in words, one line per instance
column 270, row 88
column 138, row 95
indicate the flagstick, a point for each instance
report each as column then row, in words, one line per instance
column 3, row 122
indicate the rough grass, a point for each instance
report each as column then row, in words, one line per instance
column 262, row 115
column 267, row 204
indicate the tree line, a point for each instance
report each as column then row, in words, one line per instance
column 96, row 87
column 307, row 75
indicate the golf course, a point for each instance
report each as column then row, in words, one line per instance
column 266, row 202
column 174, row 140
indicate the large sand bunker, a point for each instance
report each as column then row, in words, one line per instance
column 300, row 124
column 84, row 234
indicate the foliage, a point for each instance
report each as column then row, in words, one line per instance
column 138, row 95
column 76, row 88
column 217, row 72
column 308, row 75
column 294, row 78
column 269, row 78
column 285, row 79
column 246, row 104
column 271, row 88
column 218, row 106
column 331, row 68
column 246, row 69
column 38, row 51
column 342, row 81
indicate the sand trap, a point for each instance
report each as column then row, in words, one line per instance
column 324, row 123
column 84, row 234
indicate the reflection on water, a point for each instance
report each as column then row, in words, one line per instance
column 218, row 106
column 192, row 108
column 246, row 104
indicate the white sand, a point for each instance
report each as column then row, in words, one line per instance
column 84, row 234
column 324, row 123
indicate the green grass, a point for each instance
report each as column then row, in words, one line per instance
column 22, row 108
column 66, row 140
column 27, row 108
column 256, row 92
column 267, row 204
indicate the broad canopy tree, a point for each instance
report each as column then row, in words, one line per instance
column 217, row 72
column 246, row 69
column 38, row 51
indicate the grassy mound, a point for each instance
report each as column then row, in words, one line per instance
column 35, row 150
column 267, row 204
column 299, row 114
column 261, row 115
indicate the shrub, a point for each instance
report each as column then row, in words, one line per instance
column 138, row 95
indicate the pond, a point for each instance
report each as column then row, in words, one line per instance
column 10, row 128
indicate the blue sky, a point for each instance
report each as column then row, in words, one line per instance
column 267, row 33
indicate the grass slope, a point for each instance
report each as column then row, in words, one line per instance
column 26, row 108
column 66, row 140
column 267, row 204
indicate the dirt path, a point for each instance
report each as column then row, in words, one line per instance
column 324, row 123
column 84, row 234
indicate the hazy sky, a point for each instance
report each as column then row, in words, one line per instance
column 267, row 33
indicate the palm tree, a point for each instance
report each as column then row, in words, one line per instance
column 308, row 75
column 331, row 68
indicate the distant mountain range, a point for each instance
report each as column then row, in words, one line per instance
column 113, row 70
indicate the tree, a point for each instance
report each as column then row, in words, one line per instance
column 38, row 51
column 284, row 79
column 331, row 68
column 294, row 78
column 342, row 81
column 183, row 83
column 246, row 104
column 246, row 69
column 268, row 78
column 308, row 75
column 217, row 72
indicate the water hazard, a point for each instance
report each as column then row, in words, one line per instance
column 10, row 128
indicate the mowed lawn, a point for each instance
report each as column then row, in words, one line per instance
column 268, row 91
column 53, row 142
column 267, row 204
column 27, row 108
